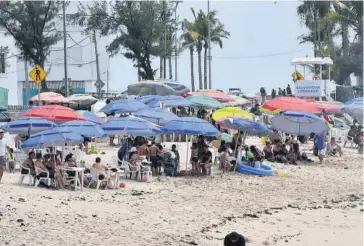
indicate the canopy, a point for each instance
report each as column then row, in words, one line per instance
column 85, row 128
column 53, row 113
column 123, row 106
column 237, row 101
column 145, row 88
column 312, row 61
column 130, row 126
column 177, row 86
column 50, row 97
column 355, row 109
column 169, row 102
column 52, row 138
column 218, row 95
column 299, row 123
column 230, row 112
column 190, row 126
column 204, row 101
column 156, row 115
column 29, row 125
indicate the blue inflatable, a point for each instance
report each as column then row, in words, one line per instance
column 245, row 169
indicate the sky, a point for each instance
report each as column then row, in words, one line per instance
column 258, row 53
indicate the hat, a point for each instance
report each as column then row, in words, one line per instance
column 133, row 149
column 1, row 131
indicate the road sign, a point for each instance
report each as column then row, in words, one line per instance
column 99, row 84
column 37, row 74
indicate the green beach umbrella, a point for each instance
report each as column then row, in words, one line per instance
column 205, row 101
column 227, row 138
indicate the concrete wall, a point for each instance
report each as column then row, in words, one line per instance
column 9, row 78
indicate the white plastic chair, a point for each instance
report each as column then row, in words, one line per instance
column 147, row 172
column 135, row 173
column 46, row 179
column 95, row 177
column 22, row 176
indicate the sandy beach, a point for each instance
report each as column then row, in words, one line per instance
column 311, row 205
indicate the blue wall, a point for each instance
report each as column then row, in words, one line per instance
column 33, row 92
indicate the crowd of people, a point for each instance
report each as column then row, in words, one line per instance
column 281, row 92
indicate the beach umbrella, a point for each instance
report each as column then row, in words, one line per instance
column 52, row 138
column 289, row 104
column 247, row 126
column 156, row 115
column 122, row 106
column 204, row 101
column 49, row 97
column 237, row 101
column 85, row 128
column 299, row 123
column 54, row 113
column 169, row 102
column 90, row 116
column 190, row 126
column 177, row 86
column 29, row 125
column 355, row 109
column 131, row 126
column 226, row 137
column 82, row 99
column 147, row 99
column 230, row 112
column 145, row 88
column 218, row 95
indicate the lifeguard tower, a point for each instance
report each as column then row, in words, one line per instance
column 315, row 88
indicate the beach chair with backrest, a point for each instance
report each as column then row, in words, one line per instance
column 47, row 180
column 22, row 176
column 95, row 177
column 135, row 173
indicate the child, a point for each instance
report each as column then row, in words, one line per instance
column 194, row 158
column 175, row 151
column 225, row 163
column 11, row 161
column 249, row 156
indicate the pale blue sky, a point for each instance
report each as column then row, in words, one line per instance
column 258, row 28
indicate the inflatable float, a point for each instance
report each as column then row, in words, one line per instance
column 264, row 170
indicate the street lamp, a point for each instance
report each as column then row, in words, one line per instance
column 209, row 41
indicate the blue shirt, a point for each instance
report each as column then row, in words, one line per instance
column 319, row 142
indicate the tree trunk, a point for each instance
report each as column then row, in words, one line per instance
column 170, row 67
column 192, row 70
column 205, row 68
column 345, row 46
column 199, row 51
column 160, row 67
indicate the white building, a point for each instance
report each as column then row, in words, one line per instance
column 81, row 60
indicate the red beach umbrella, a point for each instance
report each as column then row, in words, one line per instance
column 53, row 113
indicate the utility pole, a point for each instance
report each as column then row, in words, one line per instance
column 99, row 84
column 165, row 40
column 107, row 81
column 209, row 42
column 65, row 48
column 27, row 85
column 175, row 42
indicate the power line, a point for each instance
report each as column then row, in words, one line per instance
column 76, row 43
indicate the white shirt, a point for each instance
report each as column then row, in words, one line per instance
column 3, row 144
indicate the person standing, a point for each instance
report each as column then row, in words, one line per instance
column 289, row 90
column 263, row 93
column 284, row 92
column 3, row 149
column 280, row 92
column 320, row 144
column 274, row 93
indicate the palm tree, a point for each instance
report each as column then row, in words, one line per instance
column 189, row 39
column 199, row 44
column 311, row 14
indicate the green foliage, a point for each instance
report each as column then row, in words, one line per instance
column 33, row 26
column 138, row 26
column 4, row 52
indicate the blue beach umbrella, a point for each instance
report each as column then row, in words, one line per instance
column 85, row 128
column 29, row 125
column 123, row 106
column 147, row 99
column 204, row 101
column 156, row 115
column 169, row 102
column 130, row 126
column 250, row 127
column 90, row 116
column 299, row 123
column 355, row 108
column 191, row 126
column 52, row 138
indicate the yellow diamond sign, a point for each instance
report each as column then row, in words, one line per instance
column 37, row 74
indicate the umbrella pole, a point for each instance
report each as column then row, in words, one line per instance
column 236, row 145
column 242, row 143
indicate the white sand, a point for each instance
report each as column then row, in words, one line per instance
column 313, row 205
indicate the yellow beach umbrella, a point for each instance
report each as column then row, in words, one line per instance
column 229, row 112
